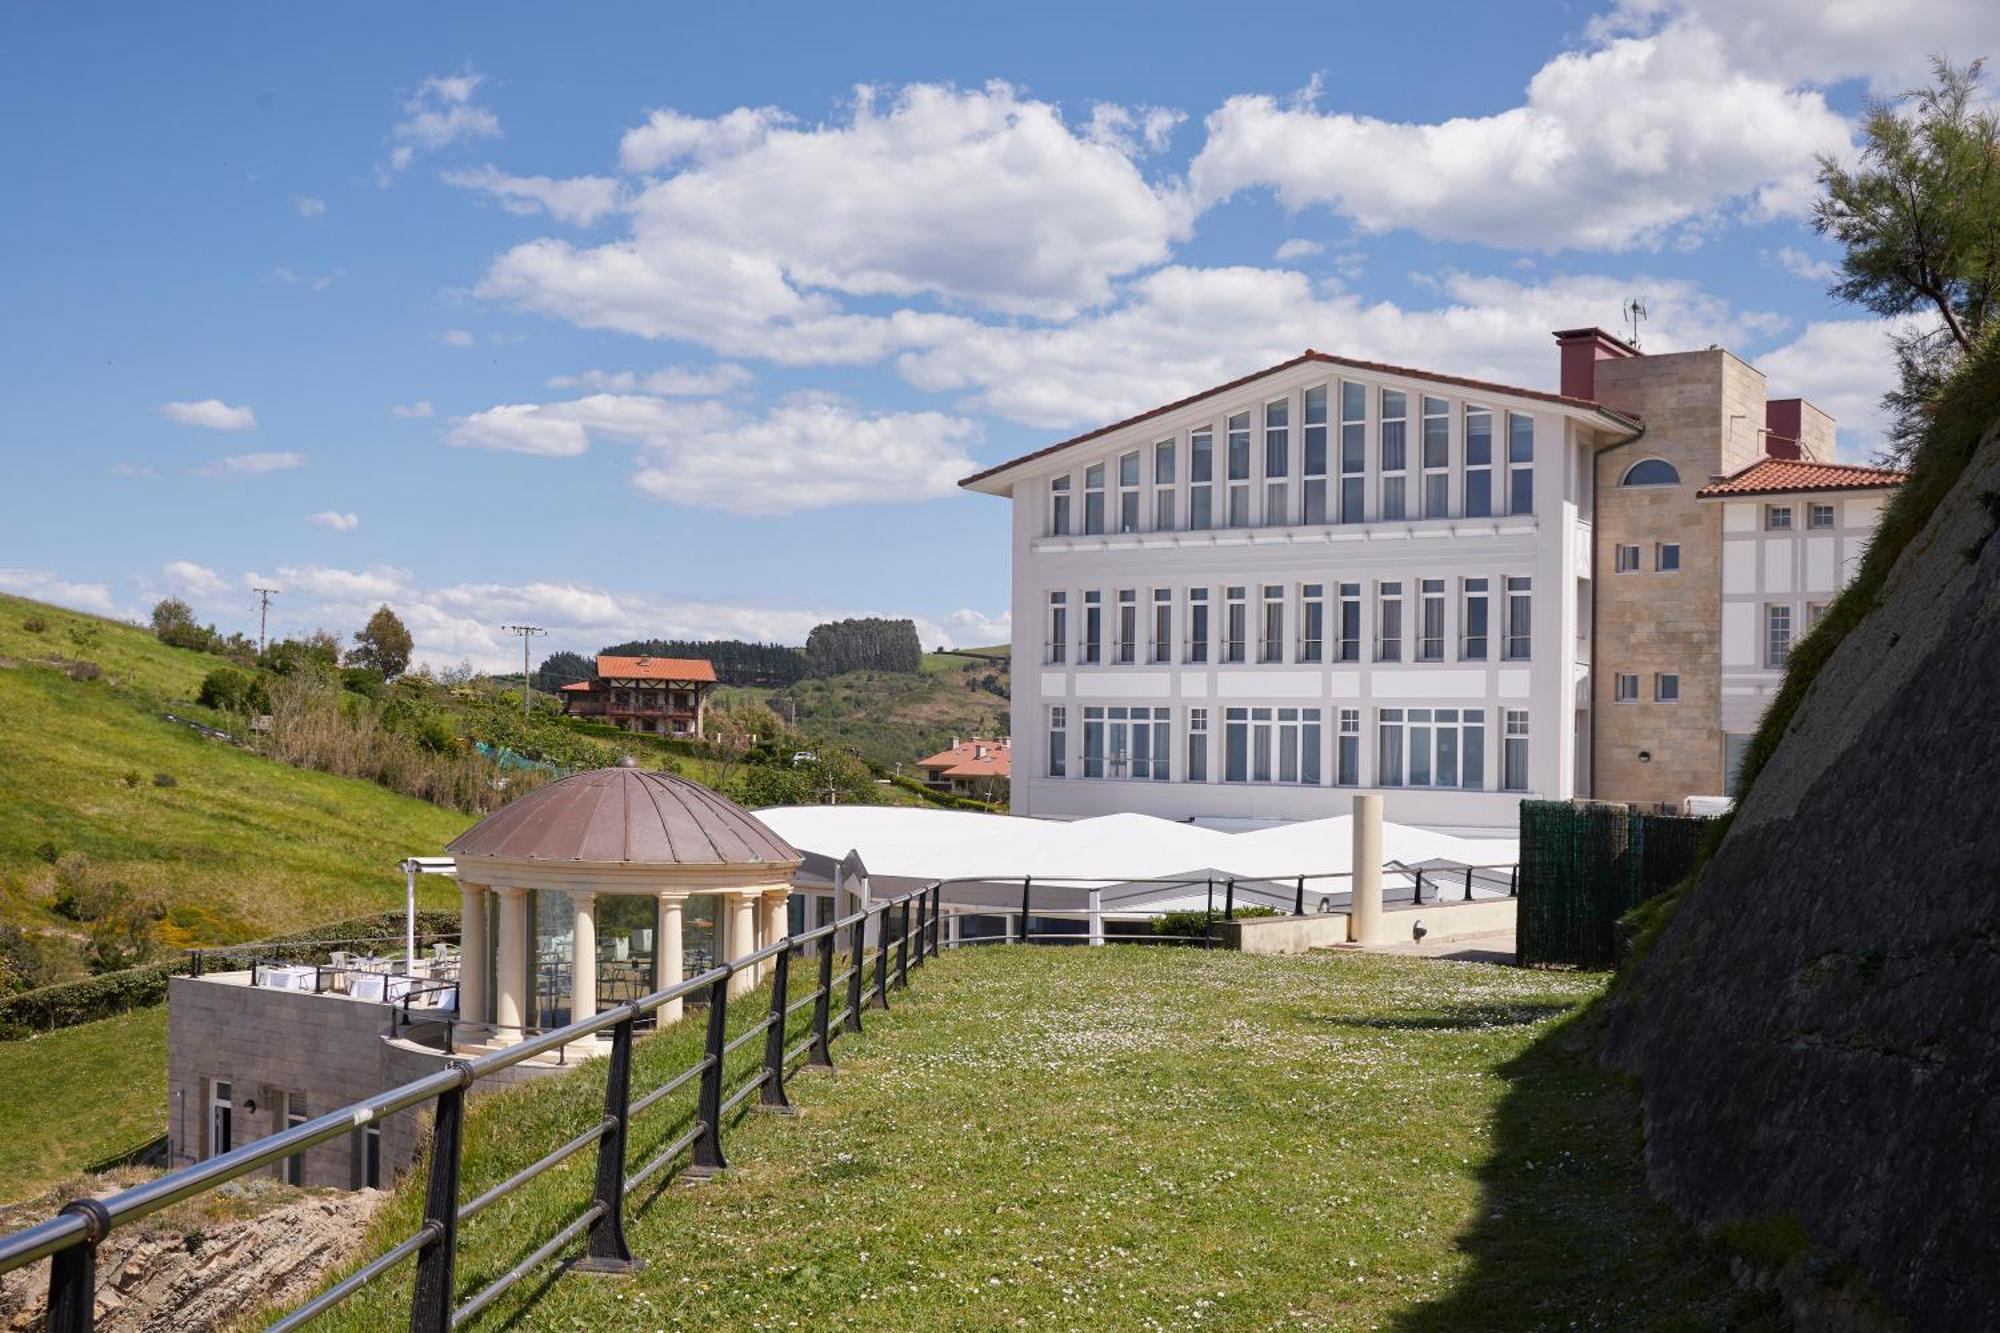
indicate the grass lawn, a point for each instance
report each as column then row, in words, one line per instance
column 79, row 1096
column 1131, row 1138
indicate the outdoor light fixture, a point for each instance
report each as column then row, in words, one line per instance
column 1418, row 930
column 250, row 1105
column 1645, row 756
column 1325, row 905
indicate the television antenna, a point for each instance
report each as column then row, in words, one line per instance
column 1635, row 310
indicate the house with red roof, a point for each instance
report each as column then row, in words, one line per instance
column 977, row 767
column 659, row 696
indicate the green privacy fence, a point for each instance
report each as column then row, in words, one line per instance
column 1584, row 865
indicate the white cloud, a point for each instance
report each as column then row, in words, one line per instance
column 251, row 465
column 1844, row 366
column 1297, row 248
column 976, row 629
column 1133, row 132
column 334, row 521
column 308, row 207
column 377, row 583
column 133, row 470
column 673, row 382
column 441, row 112
column 807, row 452
column 456, row 338
column 318, row 284
column 420, row 408
column 197, row 581
column 979, row 197
column 1636, row 142
column 212, row 413
column 44, row 586
column 578, row 199
column 1800, row 264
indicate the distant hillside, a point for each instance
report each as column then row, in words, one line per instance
column 231, row 844
column 892, row 718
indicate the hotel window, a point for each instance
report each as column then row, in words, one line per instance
column 1625, row 688
column 1093, row 499
column 1472, row 644
column 1819, row 516
column 1778, row 518
column 1271, row 745
column 1651, row 472
column 1239, row 471
column 1197, row 625
column 1389, row 748
column 1520, row 463
column 1059, row 507
column 1093, row 628
column 1667, row 688
column 1312, row 622
column 1514, row 760
column 1520, row 618
column 1197, row 747
column 1430, row 620
column 1628, row 560
column 1121, row 743
column 1395, row 451
column 1058, row 741
column 1163, row 486
column 1277, row 462
column 1128, row 492
column 1441, row 747
column 1815, row 612
column 1478, row 462
column 1348, row 764
column 1667, row 557
column 1058, row 626
column 1128, row 626
column 1348, row 648
column 1353, row 452
column 1314, row 485
column 1389, row 622
column 1437, row 458
column 1273, row 647
column 1234, row 628
column 1201, row 480
column 1163, row 624
column 1777, row 635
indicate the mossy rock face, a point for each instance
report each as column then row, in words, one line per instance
column 1812, row 1021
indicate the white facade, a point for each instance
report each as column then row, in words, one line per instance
column 1121, row 703
column 1784, row 558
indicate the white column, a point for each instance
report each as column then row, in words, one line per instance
column 742, row 936
column 775, row 921
column 1364, row 918
column 475, row 961
column 583, row 957
column 1097, row 916
column 673, row 959
column 510, row 987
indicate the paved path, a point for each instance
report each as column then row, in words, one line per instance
column 1493, row 947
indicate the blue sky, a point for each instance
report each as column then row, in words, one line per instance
column 643, row 320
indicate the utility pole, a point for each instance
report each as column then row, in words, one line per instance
column 527, row 633
column 264, row 596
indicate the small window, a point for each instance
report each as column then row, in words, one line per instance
column 1651, row 472
column 1819, row 516
column 1777, row 518
column 1628, row 560
column 1667, row 688
column 1625, row 688
column 1667, row 557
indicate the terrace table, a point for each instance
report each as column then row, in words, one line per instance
column 289, row 978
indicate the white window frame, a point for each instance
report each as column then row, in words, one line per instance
column 1129, row 516
column 1058, row 625
column 1666, row 557
column 1280, row 745
column 1312, row 622
column 1201, row 627
column 1475, row 645
column 1058, row 734
column 1235, row 624
column 1666, row 687
column 1090, row 647
column 1201, row 490
column 1778, row 636
column 1165, row 473
column 1237, row 464
column 1125, row 631
column 1271, row 623
column 1435, row 463
column 1625, row 559
column 1519, row 645
column 1059, row 506
column 1163, row 625
column 1625, row 687
column 1415, row 745
column 1277, row 462
column 1093, row 500
column 1520, row 463
column 1389, row 628
column 1392, row 435
column 1777, row 518
column 1347, row 749
column 1315, row 432
column 1348, row 613
column 1476, row 473
column 1514, row 744
column 1353, row 498
column 1815, row 509
column 1430, row 621
column 1197, row 745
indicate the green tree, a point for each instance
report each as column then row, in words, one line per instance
column 1919, row 216
column 382, row 645
column 174, row 625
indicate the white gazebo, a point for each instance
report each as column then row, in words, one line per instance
column 620, row 848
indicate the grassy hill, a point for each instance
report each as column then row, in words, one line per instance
column 235, row 845
column 891, row 718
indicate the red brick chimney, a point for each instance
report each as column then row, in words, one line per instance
column 1582, row 349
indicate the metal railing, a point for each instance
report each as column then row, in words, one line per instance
column 70, row 1240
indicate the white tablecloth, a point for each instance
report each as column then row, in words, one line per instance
column 365, row 985
column 288, row 978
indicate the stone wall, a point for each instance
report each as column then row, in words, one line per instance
column 1816, row 1029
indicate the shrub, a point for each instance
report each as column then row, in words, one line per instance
column 229, row 690
column 35, row 625
column 364, row 681
column 48, row 853
column 83, row 671
column 165, row 780
column 1186, row 924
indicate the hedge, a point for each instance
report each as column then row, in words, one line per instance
column 944, row 799
column 68, row 1003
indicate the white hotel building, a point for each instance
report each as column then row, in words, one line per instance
column 1327, row 577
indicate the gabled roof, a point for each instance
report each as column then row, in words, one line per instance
column 581, row 686
column 1786, row 476
column 656, row 668
column 1624, row 419
column 964, row 760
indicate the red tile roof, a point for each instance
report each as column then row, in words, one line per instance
column 656, row 668
column 581, row 685
column 963, row 761
column 1784, row 476
column 1324, row 358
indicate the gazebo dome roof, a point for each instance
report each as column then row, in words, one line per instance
column 625, row 815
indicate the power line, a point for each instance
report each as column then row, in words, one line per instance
column 264, row 596
column 527, row 633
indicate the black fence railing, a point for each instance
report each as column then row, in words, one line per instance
column 905, row 931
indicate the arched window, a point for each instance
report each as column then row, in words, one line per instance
column 1651, row 472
